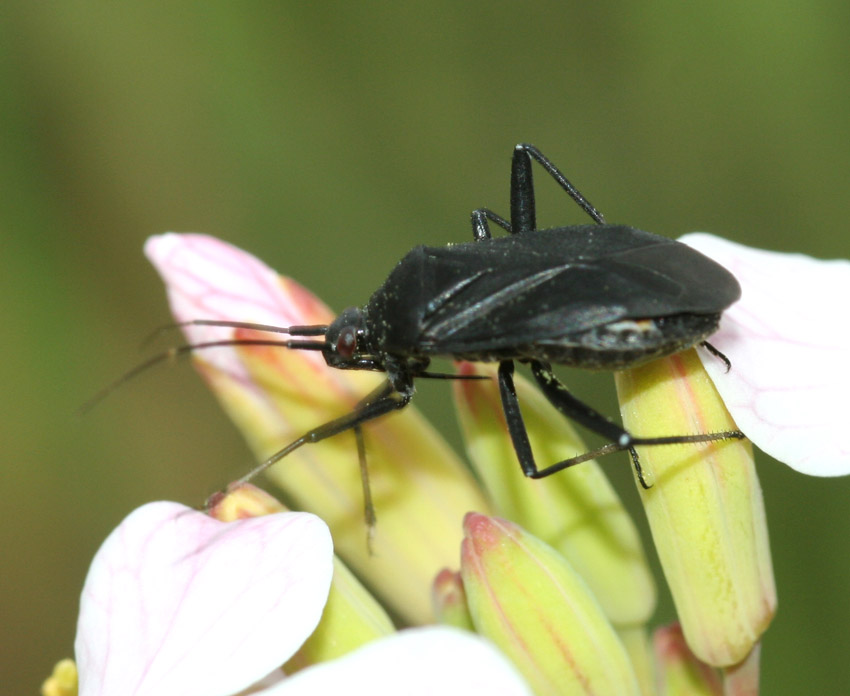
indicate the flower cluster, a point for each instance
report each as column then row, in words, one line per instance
column 555, row 601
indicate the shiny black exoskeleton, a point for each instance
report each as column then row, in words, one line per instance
column 592, row 296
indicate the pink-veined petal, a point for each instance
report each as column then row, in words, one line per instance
column 210, row 279
column 206, row 278
column 788, row 340
column 415, row 662
column 176, row 602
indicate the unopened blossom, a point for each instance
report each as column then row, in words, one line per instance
column 705, row 509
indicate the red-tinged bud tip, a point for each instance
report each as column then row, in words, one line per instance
column 242, row 502
column 447, row 590
column 214, row 501
column 679, row 670
column 448, row 598
column 483, row 532
column 524, row 596
column 669, row 642
column 472, row 394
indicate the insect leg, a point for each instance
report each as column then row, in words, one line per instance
column 523, row 217
column 523, row 214
column 574, row 409
column 560, row 397
column 513, row 418
column 368, row 506
column 717, row 354
column 580, row 412
column 519, row 435
column 383, row 400
column 480, row 228
column 570, row 407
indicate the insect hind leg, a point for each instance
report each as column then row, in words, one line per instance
column 523, row 207
column 523, row 214
column 717, row 354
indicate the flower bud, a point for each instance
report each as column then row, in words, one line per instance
column 63, row 680
column 242, row 502
column 352, row 616
column 705, row 508
column 449, row 600
column 528, row 600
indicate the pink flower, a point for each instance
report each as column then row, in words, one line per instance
column 176, row 602
column 788, row 339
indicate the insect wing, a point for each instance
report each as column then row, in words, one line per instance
column 518, row 290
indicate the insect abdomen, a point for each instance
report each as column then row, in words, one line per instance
column 617, row 345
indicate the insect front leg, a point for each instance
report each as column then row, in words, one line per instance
column 382, row 391
column 386, row 399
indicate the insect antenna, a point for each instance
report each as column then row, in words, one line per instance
column 176, row 352
column 310, row 330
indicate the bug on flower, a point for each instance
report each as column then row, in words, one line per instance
column 596, row 296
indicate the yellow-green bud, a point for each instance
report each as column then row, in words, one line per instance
column 449, row 600
column 63, row 681
column 525, row 597
column 352, row 617
column 705, row 508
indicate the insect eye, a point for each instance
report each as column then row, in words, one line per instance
column 346, row 344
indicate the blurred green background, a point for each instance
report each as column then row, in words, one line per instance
column 329, row 140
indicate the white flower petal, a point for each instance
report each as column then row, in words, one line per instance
column 422, row 661
column 788, row 339
column 176, row 602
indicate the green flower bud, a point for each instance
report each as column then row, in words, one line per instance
column 705, row 509
column 530, row 602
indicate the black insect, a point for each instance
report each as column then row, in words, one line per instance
column 596, row 296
